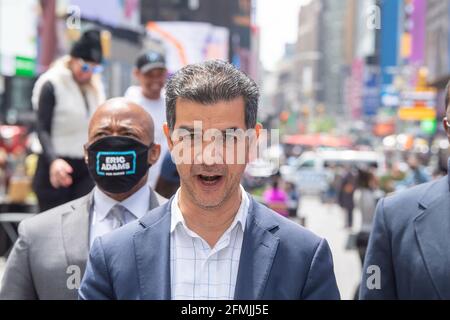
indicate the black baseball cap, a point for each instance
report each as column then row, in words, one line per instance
column 150, row 60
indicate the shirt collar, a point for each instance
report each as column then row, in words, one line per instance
column 240, row 218
column 137, row 204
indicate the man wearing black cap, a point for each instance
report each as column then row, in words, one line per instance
column 65, row 97
column 151, row 73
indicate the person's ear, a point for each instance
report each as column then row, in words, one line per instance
column 258, row 129
column 154, row 153
column 252, row 147
column 168, row 137
column 446, row 127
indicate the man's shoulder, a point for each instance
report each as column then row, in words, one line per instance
column 413, row 195
column 288, row 231
column 297, row 245
column 403, row 206
column 42, row 223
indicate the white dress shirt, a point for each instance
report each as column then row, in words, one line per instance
column 137, row 206
column 198, row 271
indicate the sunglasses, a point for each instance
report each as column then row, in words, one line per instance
column 88, row 67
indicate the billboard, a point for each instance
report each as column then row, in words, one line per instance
column 437, row 39
column 354, row 89
column 18, row 37
column 365, row 37
column 190, row 42
column 389, row 42
column 371, row 93
column 418, row 32
column 116, row 13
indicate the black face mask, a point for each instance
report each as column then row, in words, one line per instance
column 117, row 164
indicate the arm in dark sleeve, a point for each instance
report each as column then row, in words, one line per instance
column 46, row 106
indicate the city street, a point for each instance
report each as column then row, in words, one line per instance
column 326, row 221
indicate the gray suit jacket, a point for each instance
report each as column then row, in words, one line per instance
column 408, row 256
column 49, row 258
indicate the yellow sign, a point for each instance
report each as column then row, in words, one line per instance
column 416, row 114
column 406, row 45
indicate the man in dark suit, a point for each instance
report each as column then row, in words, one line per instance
column 408, row 256
column 212, row 240
column 49, row 258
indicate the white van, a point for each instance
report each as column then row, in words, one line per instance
column 311, row 173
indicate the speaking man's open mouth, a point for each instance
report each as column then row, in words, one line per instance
column 209, row 180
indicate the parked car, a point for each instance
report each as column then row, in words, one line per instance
column 311, row 172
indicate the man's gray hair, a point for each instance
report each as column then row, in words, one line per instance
column 209, row 83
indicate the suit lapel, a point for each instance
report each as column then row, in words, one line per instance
column 258, row 251
column 152, row 247
column 432, row 227
column 75, row 232
column 75, row 229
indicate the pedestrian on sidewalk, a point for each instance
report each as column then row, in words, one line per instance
column 65, row 98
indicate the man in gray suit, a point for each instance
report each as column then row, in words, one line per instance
column 408, row 256
column 49, row 258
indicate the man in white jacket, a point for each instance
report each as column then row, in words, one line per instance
column 151, row 73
